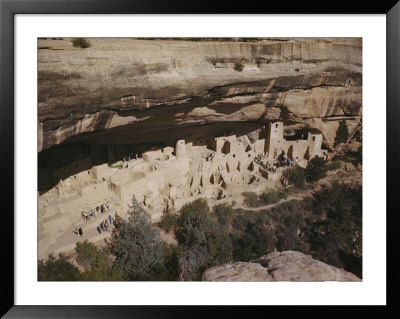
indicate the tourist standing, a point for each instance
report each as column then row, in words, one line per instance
column 98, row 229
column 80, row 231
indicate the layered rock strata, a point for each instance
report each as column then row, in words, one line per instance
column 122, row 90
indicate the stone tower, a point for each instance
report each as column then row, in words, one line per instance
column 180, row 149
column 274, row 140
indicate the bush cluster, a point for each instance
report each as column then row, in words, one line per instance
column 238, row 67
column 251, row 199
column 81, row 43
column 272, row 197
column 334, row 164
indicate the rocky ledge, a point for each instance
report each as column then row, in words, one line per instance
column 279, row 266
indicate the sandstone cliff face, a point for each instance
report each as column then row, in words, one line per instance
column 279, row 266
column 136, row 91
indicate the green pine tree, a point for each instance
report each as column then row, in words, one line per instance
column 342, row 133
column 137, row 246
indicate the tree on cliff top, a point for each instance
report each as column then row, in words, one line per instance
column 342, row 133
column 137, row 246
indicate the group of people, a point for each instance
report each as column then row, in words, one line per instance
column 261, row 160
column 103, row 226
column 106, row 224
column 264, row 163
column 99, row 209
column 130, row 157
column 282, row 160
column 78, row 231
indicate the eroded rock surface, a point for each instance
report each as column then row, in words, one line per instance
column 279, row 266
column 133, row 91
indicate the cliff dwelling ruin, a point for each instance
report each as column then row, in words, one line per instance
column 164, row 179
column 215, row 139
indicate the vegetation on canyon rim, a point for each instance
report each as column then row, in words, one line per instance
column 238, row 67
column 81, row 43
column 326, row 225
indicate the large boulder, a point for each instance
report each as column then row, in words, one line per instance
column 279, row 266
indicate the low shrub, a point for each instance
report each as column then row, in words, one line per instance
column 81, row 43
column 283, row 194
column 238, row 67
column 270, row 197
column 334, row 164
column 251, row 199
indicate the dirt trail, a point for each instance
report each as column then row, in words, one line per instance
column 331, row 176
column 289, row 198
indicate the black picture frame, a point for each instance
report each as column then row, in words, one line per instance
column 9, row 8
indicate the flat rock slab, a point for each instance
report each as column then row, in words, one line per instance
column 279, row 266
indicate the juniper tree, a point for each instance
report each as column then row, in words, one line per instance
column 296, row 176
column 203, row 240
column 136, row 245
column 342, row 133
column 316, row 169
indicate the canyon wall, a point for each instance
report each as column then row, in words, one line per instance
column 125, row 90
